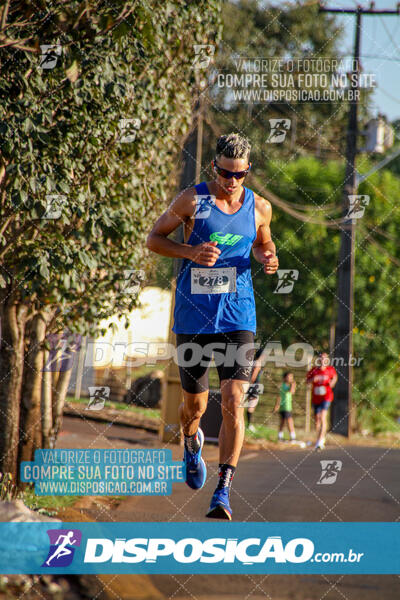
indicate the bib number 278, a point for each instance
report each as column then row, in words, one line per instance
column 213, row 281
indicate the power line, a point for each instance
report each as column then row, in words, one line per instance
column 360, row 10
column 389, row 34
column 377, row 57
column 389, row 95
column 342, row 407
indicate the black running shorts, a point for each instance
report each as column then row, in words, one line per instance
column 285, row 414
column 233, row 355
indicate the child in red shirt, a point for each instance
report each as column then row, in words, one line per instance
column 323, row 378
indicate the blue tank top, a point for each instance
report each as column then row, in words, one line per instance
column 220, row 298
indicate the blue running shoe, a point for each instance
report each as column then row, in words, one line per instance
column 220, row 507
column 195, row 467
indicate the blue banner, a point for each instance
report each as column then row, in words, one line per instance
column 102, row 472
column 214, row 548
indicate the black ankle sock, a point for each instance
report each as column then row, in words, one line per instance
column 249, row 417
column 192, row 443
column 226, row 473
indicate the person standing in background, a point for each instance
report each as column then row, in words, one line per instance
column 323, row 378
column 284, row 404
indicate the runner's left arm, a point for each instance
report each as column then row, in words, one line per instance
column 333, row 381
column 264, row 250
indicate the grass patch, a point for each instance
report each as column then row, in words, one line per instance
column 261, row 432
column 154, row 413
column 43, row 504
column 46, row 504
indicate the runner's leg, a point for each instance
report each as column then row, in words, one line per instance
column 317, row 422
column 324, row 423
column 191, row 411
column 281, row 426
column 319, row 425
column 249, row 411
column 291, row 428
column 231, row 434
column 233, row 379
column 194, row 380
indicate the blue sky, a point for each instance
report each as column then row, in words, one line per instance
column 380, row 50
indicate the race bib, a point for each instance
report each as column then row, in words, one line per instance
column 320, row 390
column 213, row 281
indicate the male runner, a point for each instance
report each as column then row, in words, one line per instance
column 214, row 302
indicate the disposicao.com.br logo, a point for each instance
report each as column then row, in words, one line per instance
column 199, row 547
column 247, row 551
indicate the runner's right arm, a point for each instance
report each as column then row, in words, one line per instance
column 180, row 211
column 255, row 372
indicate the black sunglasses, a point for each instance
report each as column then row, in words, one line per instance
column 229, row 174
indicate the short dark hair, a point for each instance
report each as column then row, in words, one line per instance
column 233, row 145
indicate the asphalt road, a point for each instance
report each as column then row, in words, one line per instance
column 272, row 484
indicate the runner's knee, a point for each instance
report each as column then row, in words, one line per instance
column 232, row 406
column 194, row 408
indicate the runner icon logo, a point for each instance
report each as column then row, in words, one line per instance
column 330, row 470
column 54, row 204
column 251, row 394
column 49, row 55
column 128, row 130
column 279, row 129
column 98, row 397
column 132, row 281
column 61, row 551
column 204, row 203
column 287, row 278
column 203, row 55
column 357, row 205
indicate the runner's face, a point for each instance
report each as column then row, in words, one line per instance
column 324, row 360
column 232, row 185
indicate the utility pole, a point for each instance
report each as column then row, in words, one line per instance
column 341, row 415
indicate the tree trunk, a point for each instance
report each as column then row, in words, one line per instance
column 30, row 418
column 47, row 411
column 63, row 349
column 59, row 395
column 13, row 319
column 52, row 368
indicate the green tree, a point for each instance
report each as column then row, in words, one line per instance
column 280, row 33
column 63, row 134
column 306, row 232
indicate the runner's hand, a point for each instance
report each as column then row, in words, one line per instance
column 205, row 254
column 271, row 263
